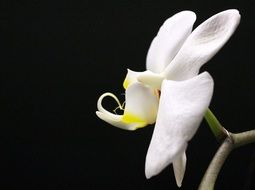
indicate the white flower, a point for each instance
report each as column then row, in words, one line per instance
column 170, row 92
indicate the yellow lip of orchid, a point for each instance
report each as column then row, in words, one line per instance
column 140, row 108
column 131, row 118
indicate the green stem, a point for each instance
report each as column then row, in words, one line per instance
column 232, row 141
column 218, row 130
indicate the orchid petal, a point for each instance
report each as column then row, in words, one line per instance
column 179, row 166
column 181, row 109
column 169, row 40
column 202, row 44
column 140, row 110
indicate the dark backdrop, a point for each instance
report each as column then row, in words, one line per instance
column 65, row 54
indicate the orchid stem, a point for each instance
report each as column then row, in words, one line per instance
column 231, row 142
column 243, row 138
column 215, row 166
column 217, row 129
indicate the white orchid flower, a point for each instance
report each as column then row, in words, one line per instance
column 170, row 92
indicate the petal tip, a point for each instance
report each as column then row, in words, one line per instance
column 179, row 166
column 191, row 14
column 233, row 11
column 149, row 168
column 179, row 184
column 153, row 165
column 235, row 14
column 231, row 14
column 99, row 114
column 148, row 172
column 188, row 13
column 148, row 176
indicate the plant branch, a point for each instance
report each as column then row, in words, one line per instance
column 232, row 141
column 215, row 166
column 243, row 138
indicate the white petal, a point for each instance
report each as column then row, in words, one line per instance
column 179, row 166
column 140, row 110
column 202, row 44
column 169, row 39
column 181, row 109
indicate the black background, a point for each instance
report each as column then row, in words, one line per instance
column 65, row 54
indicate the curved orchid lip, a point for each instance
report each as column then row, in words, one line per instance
column 114, row 119
column 140, row 109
